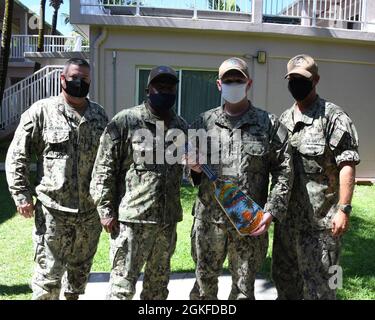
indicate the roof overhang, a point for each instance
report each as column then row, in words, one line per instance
column 42, row 56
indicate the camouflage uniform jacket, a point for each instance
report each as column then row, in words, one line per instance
column 263, row 150
column 324, row 138
column 136, row 191
column 65, row 150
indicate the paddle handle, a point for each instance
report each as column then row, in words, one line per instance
column 205, row 168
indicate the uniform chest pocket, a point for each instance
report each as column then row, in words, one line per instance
column 312, row 149
column 312, row 155
column 57, row 142
column 254, row 155
column 256, row 147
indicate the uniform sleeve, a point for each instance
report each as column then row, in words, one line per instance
column 343, row 139
column 106, row 175
column 281, row 168
column 18, row 158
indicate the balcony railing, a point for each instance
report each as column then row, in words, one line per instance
column 138, row 7
column 348, row 14
column 29, row 43
column 345, row 14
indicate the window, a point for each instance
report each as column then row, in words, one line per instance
column 197, row 92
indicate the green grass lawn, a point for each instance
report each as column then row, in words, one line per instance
column 358, row 257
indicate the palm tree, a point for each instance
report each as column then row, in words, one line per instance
column 41, row 29
column 66, row 19
column 56, row 6
column 41, row 25
column 221, row 5
column 5, row 46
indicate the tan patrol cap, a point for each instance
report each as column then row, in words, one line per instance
column 234, row 64
column 303, row 65
column 162, row 72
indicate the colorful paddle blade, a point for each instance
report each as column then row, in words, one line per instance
column 244, row 213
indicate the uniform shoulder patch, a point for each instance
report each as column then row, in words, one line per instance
column 113, row 131
column 27, row 122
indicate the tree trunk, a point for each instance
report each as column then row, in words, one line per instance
column 5, row 49
column 54, row 22
column 41, row 24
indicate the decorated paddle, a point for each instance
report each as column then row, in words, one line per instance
column 242, row 211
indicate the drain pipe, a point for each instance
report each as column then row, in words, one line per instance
column 114, row 84
column 95, row 56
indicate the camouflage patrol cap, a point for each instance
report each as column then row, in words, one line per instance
column 303, row 65
column 234, row 64
column 162, row 72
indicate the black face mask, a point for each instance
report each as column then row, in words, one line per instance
column 77, row 88
column 300, row 88
column 162, row 102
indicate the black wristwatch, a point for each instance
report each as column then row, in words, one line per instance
column 346, row 208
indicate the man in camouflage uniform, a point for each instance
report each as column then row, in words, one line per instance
column 63, row 132
column 325, row 152
column 264, row 150
column 138, row 192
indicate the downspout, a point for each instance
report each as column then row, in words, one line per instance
column 95, row 56
column 114, row 83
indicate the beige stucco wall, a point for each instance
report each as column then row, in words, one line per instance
column 347, row 69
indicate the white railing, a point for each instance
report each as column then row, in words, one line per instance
column 106, row 6
column 19, row 97
column 29, row 43
column 344, row 14
column 330, row 13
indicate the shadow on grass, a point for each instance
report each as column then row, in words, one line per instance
column 7, row 207
column 265, row 270
column 4, row 145
column 187, row 270
column 14, row 289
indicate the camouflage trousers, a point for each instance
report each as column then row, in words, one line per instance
column 210, row 244
column 301, row 261
column 65, row 245
column 136, row 245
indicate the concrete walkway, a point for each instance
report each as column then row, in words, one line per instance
column 179, row 287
